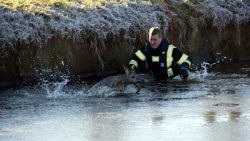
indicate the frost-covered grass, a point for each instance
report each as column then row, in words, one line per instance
column 77, row 24
column 223, row 12
column 43, row 6
column 74, row 20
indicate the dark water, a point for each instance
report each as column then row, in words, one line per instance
column 212, row 106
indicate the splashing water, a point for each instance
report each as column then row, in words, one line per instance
column 54, row 89
column 54, row 85
column 201, row 74
column 61, row 89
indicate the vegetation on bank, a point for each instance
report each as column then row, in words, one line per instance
column 223, row 12
column 124, row 21
column 64, row 17
column 44, row 6
column 37, row 21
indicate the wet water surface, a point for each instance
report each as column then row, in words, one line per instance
column 212, row 106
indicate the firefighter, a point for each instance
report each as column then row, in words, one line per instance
column 163, row 59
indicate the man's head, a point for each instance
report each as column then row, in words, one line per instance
column 155, row 37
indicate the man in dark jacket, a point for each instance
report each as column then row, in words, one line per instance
column 164, row 60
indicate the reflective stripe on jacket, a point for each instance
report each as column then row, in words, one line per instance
column 168, row 56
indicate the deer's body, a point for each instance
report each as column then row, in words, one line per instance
column 119, row 82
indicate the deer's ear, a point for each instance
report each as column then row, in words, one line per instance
column 126, row 69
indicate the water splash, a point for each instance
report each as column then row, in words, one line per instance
column 55, row 89
column 54, row 84
column 202, row 73
column 62, row 89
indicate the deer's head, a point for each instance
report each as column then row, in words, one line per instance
column 132, row 77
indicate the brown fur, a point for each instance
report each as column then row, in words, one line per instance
column 119, row 82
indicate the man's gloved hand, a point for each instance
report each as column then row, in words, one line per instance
column 184, row 73
column 132, row 68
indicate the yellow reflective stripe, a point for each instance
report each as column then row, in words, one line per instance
column 169, row 55
column 140, row 55
column 170, row 72
column 189, row 62
column 183, row 58
column 133, row 62
column 155, row 58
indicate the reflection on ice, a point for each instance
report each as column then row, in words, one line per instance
column 212, row 117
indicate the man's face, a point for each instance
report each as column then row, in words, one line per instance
column 155, row 41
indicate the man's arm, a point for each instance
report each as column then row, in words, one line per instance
column 181, row 58
column 183, row 62
column 138, row 57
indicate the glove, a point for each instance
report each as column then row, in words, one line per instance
column 184, row 73
column 132, row 68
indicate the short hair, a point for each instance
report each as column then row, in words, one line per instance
column 155, row 31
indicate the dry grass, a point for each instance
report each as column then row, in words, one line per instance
column 43, row 6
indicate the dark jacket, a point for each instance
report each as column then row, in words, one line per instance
column 164, row 62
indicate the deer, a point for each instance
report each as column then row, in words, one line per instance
column 120, row 81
